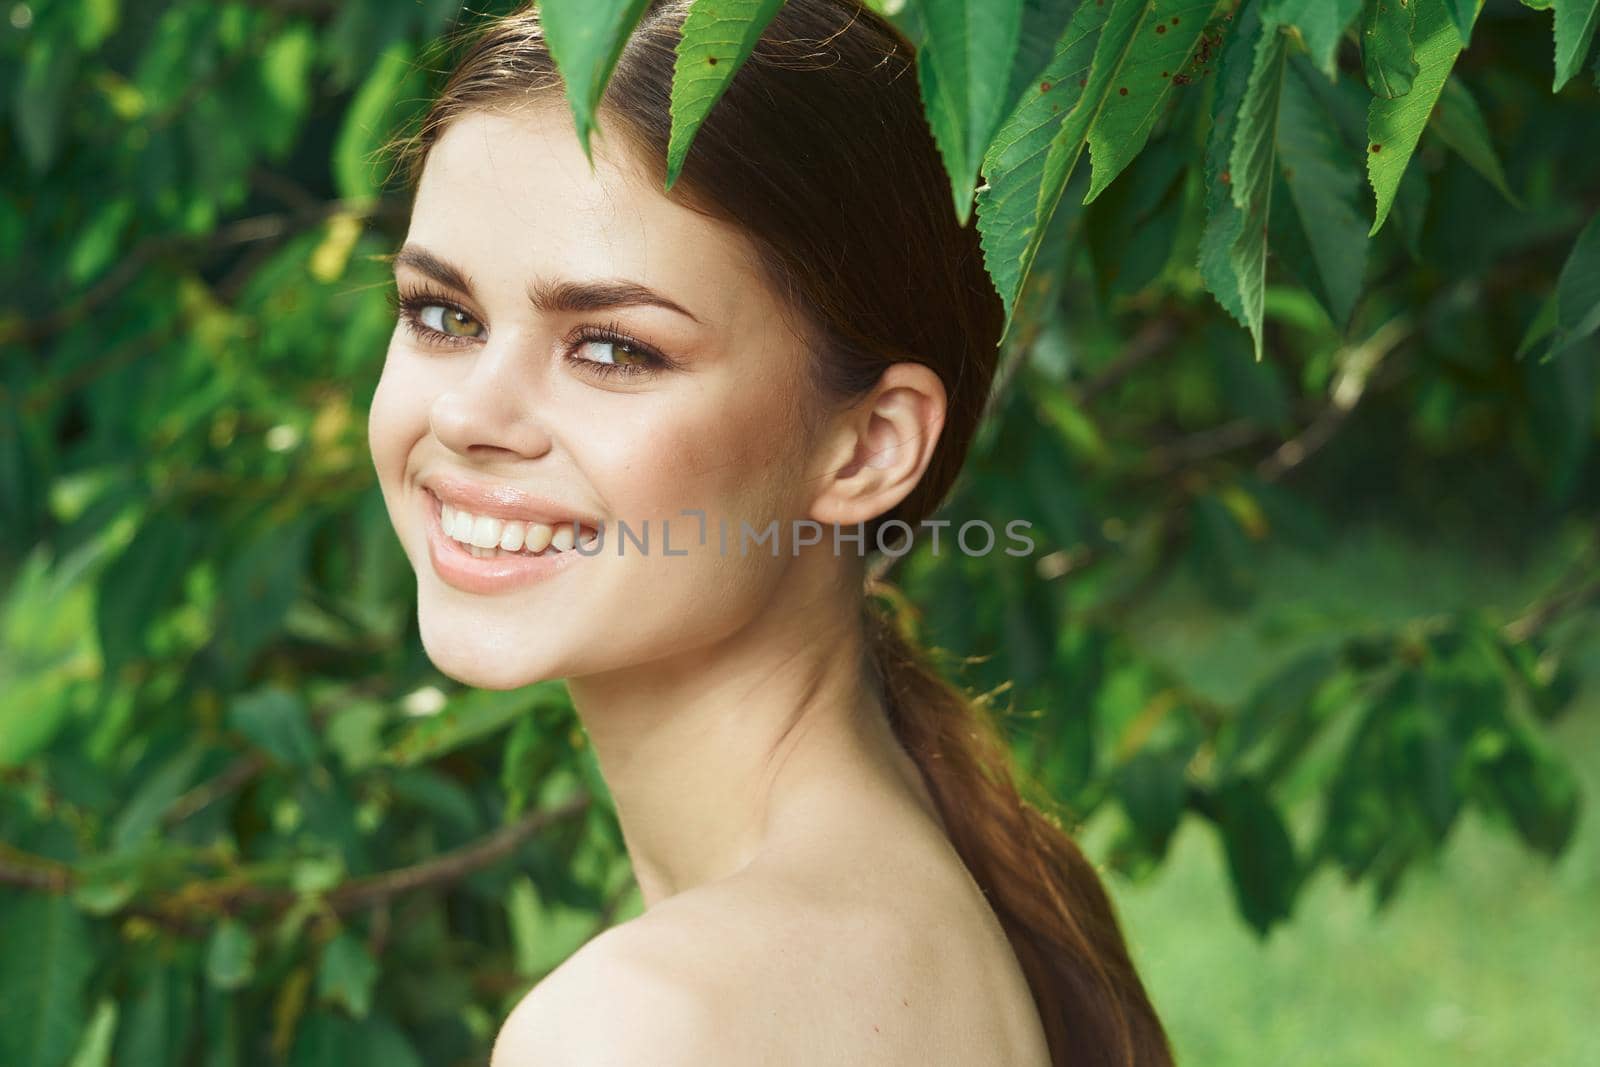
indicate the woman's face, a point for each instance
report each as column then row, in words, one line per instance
column 513, row 269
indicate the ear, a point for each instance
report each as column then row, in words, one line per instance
column 875, row 451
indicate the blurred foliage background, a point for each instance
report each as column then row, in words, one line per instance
column 1307, row 651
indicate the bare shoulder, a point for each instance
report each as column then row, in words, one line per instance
column 786, row 965
column 614, row 1001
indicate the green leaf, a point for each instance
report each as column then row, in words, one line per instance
column 277, row 721
column 1459, row 123
column 158, row 1016
column 1395, row 126
column 330, row 1040
column 1386, row 54
column 1224, row 225
column 1261, row 854
column 370, row 120
column 354, row 734
column 1578, row 289
column 1321, row 24
column 1536, row 789
column 1423, row 749
column 969, row 51
column 230, row 955
column 1560, row 413
column 718, row 36
column 1151, row 787
column 1251, row 164
column 95, row 245
column 1120, row 99
column 347, row 974
column 1240, row 155
column 1464, row 13
column 537, row 743
column 586, row 38
column 138, row 586
column 1273, row 719
column 1043, row 23
column 1574, row 32
column 96, row 19
column 1145, row 44
column 108, row 881
column 1221, row 554
column 1008, row 203
column 40, row 98
column 95, row 1048
column 1131, row 229
column 442, row 797
column 543, row 932
column 44, row 973
column 260, row 582
column 220, row 1022
column 141, row 813
column 285, row 76
column 470, row 716
column 1324, row 183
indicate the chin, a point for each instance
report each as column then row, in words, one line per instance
column 489, row 661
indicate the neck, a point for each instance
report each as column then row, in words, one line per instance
column 712, row 755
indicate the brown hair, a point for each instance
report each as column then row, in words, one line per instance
column 819, row 153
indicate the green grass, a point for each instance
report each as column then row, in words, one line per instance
column 1489, row 957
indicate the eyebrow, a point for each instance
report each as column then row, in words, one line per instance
column 548, row 295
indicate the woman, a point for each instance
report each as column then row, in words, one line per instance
column 835, row 864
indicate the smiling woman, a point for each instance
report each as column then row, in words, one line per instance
column 835, row 862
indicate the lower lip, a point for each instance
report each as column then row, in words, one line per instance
column 461, row 569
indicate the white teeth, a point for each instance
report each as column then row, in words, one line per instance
column 486, row 531
column 486, row 537
column 538, row 538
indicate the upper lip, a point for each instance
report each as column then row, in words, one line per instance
column 501, row 501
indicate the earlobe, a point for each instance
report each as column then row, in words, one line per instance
column 886, row 441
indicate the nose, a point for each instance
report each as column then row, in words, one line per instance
column 493, row 409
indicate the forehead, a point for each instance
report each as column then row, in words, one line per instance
column 509, row 196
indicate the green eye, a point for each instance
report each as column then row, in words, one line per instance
column 618, row 354
column 453, row 322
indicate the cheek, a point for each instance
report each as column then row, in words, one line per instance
column 397, row 418
column 400, row 401
column 731, row 457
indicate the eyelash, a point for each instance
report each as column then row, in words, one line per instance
column 408, row 306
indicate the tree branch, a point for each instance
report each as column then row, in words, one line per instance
column 452, row 866
column 241, row 231
column 177, row 908
column 1570, row 592
column 202, row 796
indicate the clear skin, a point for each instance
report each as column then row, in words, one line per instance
column 768, row 812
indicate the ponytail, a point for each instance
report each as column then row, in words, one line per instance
column 1046, row 894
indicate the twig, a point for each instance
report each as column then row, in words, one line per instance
column 451, row 866
column 238, row 232
column 202, row 796
column 33, row 872
column 1360, row 362
column 1149, row 341
column 1570, row 592
column 177, row 908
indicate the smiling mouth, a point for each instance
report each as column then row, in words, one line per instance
column 490, row 537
